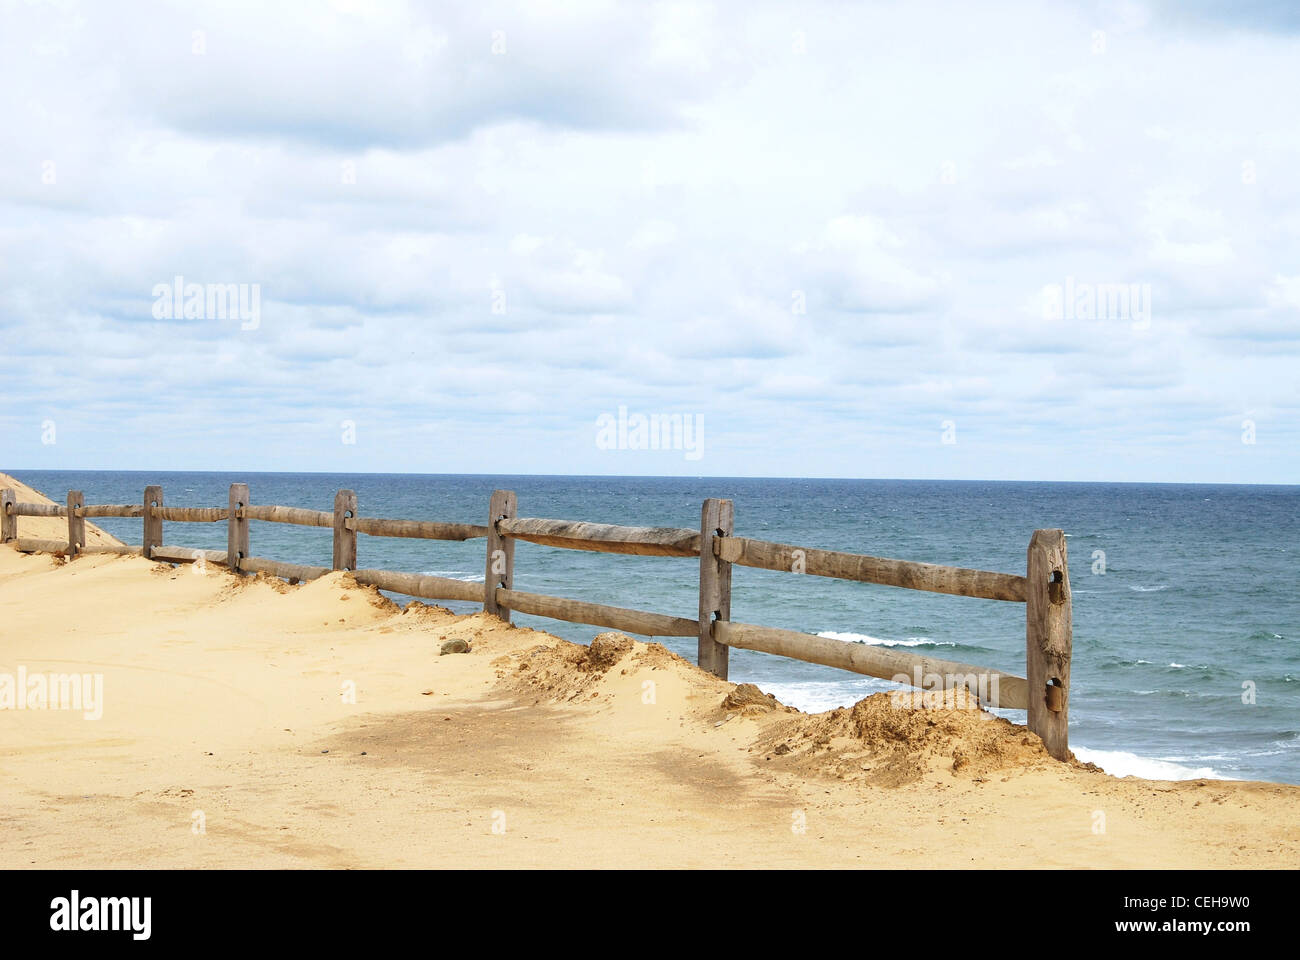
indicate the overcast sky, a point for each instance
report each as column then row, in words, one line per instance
column 841, row 239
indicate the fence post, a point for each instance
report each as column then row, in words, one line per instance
column 500, row 571
column 76, row 524
column 8, row 521
column 237, row 532
column 716, row 519
column 345, row 540
column 153, row 525
column 1048, row 640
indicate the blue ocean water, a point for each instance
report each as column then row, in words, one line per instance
column 1185, row 595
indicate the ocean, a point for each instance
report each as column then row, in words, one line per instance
column 1186, row 596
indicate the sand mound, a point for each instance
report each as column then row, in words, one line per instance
column 885, row 744
column 749, row 698
column 50, row 528
column 557, row 670
column 605, row 651
column 883, row 740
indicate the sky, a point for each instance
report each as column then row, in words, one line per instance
column 938, row 240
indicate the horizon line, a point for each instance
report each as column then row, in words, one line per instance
column 670, row 476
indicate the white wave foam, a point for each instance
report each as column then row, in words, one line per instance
column 813, row 696
column 1155, row 589
column 878, row 642
column 1119, row 763
column 455, row 575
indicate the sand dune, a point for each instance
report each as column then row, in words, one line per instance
column 50, row 528
column 225, row 708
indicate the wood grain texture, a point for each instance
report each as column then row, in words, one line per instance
column 169, row 554
column 192, row 514
column 415, row 585
column 34, row 545
column 886, row 663
column 416, row 529
column 40, row 510
column 959, row 581
column 604, row 537
column 500, row 569
column 76, row 524
column 640, row 622
column 121, row 550
column 128, row 510
column 1049, row 640
column 717, row 519
column 294, row 515
column 8, row 519
column 153, row 525
column 278, row 568
column 237, row 539
column 345, row 540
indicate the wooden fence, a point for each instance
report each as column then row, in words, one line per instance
column 1044, row 691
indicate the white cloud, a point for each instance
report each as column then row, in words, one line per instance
column 830, row 225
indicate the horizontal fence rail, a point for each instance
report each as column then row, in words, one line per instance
column 958, row 581
column 191, row 514
column 29, row 545
column 416, row 585
column 125, row 510
column 278, row 568
column 603, row 537
column 188, row 555
column 597, row 614
column 294, row 515
column 39, row 510
column 996, row 689
column 1044, row 588
column 415, row 529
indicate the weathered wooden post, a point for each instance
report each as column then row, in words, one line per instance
column 153, row 524
column 1048, row 640
column 500, row 571
column 8, row 520
column 717, row 519
column 345, row 540
column 76, row 524
column 237, row 530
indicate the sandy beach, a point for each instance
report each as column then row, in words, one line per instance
column 248, row 723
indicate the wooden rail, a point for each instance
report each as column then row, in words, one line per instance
column 415, row 529
column 39, row 510
column 415, row 585
column 278, row 568
column 191, row 514
column 127, row 510
column 188, row 555
column 30, row 545
column 852, row 566
column 993, row 687
column 1044, row 588
column 294, row 515
column 603, row 537
column 616, row 618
